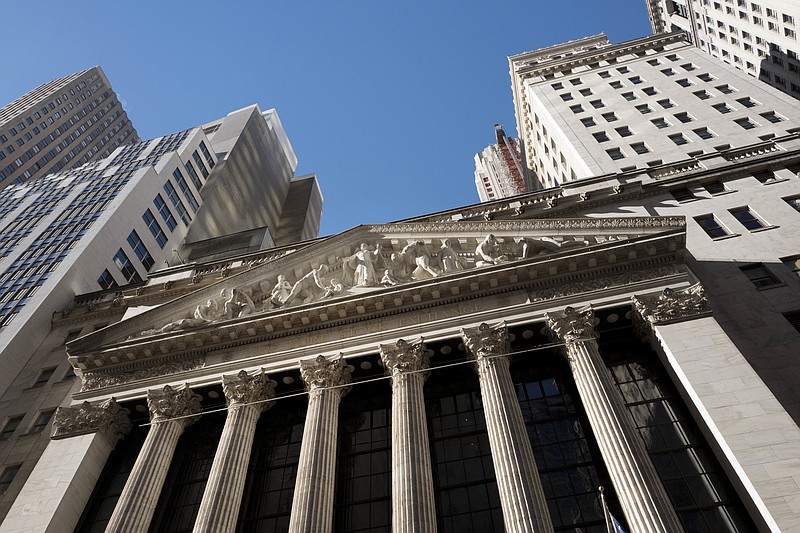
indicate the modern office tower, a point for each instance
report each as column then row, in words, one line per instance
column 150, row 204
column 499, row 169
column 759, row 38
column 600, row 361
column 61, row 125
column 588, row 107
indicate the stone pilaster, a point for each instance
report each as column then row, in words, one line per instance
column 413, row 509
column 521, row 494
column 171, row 411
column 641, row 494
column 63, row 479
column 246, row 397
column 312, row 505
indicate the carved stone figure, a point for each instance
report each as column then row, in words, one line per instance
column 280, row 292
column 359, row 269
column 448, row 258
column 416, row 255
column 396, row 271
column 488, row 252
column 310, row 287
column 107, row 418
column 237, row 304
column 673, row 304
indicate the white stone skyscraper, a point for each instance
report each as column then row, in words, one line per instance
column 499, row 169
column 759, row 37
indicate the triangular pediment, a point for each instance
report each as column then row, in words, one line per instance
column 366, row 269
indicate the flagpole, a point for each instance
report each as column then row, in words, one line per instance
column 606, row 516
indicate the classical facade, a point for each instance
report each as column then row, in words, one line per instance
column 480, row 369
column 61, row 125
column 759, row 38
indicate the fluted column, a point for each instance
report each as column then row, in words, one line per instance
column 413, row 509
column 641, row 494
column 312, row 505
column 521, row 494
column 171, row 412
column 245, row 395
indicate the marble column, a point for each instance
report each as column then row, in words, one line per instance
column 245, row 395
column 413, row 509
column 312, row 505
column 521, row 494
column 61, row 483
column 171, row 411
column 641, row 494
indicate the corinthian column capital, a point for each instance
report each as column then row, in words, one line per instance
column 405, row 357
column 673, row 304
column 106, row 418
column 572, row 324
column 486, row 340
column 243, row 389
column 321, row 373
column 173, row 404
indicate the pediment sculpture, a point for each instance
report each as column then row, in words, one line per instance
column 369, row 267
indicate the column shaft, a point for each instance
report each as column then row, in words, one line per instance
column 644, row 501
column 413, row 509
column 521, row 493
column 138, row 500
column 219, row 509
column 312, row 505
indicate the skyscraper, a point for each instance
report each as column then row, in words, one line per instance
column 499, row 169
column 589, row 107
column 759, row 38
column 61, row 125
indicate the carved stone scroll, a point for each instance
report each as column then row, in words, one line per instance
column 673, row 304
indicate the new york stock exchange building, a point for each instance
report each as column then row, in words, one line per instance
column 481, row 369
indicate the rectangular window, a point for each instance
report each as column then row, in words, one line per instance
column 684, row 82
column 759, row 275
column 746, row 123
column 722, row 108
column 682, row 194
column 600, row 136
column 578, row 108
column 793, row 318
column 567, row 97
column 588, row 122
column 644, row 109
column 106, row 280
column 585, row 92
column 624, row 131
column 616, row 84
column 706, row 77
column 668, row 72
column 140, row 250
column 660, row 123
column 704, row 133
column 597, row 104
column 629, row 96
column 715, row 187
column 207, row 154
column 678, row 139
column 42, row 420
column 650, row 91
column 165, row 213
column 772, row 116
column 640, row 148
column 126, row 267
column 8, row 475
column 793, row 264
column 610, row 117
column 747, row 219
column 155, row 228
column 666, row 103
column 710, row 225
column 11, row 425
column 44, row 377
column 794, row 202
column 684, row 117
column 615, row 153
column 172, row 194
column 747, row 102
column 200, row 165
column 187, row 192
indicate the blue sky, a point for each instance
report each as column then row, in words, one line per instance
column 387, row 102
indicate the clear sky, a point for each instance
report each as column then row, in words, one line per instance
column 387, row 102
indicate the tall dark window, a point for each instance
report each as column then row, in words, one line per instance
column 126, row 267
column 464, row 483
column 693, row 478
column 569, row 462
column 111, row 482
column 172, row 194
column 363, row 474
column 188, row 474
column 269, row 489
